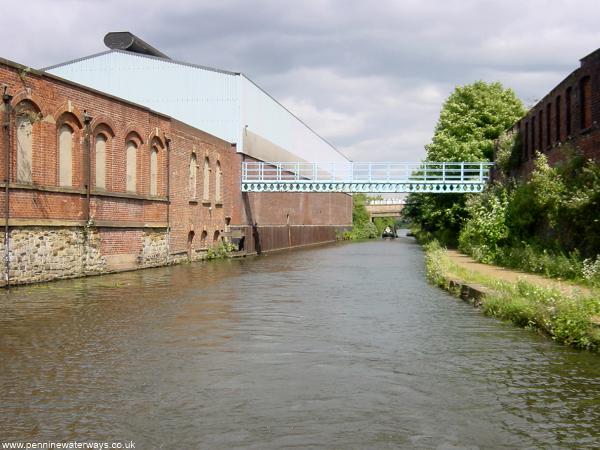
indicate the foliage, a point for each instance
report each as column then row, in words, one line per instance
column 471, row 119
column 220, row 250
column 362, row 227
column 545, row 225
column 507, row 154
column 435, row 259
column 590, row 269
column 568, row 320
column 362, row 231
column 535, row 259
column 439, row 214
column 486, row 229
column 382, row 222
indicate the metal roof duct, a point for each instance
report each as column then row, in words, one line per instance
column 124, row 40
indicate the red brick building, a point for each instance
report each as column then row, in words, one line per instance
column 569, row 113
column 94, row 184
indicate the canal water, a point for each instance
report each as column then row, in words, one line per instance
column 341, row 346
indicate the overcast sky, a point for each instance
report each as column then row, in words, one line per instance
column 369, row 76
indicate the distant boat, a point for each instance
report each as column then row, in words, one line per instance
column 389, row 233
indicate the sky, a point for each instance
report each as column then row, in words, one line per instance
column 370, row 77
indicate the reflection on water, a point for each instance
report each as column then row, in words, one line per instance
column 343, row 346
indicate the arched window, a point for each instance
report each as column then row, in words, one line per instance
column 218, row 175
column 100, row 161
column 206, row 179
column 190, row 244
column 216, row 236
column 24, row 148
column 193, row 176
column 154, row 171
column 65, row 156
column 131, row 169
column 203, row 237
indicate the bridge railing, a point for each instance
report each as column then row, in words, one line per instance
column 387, row 201
column 367, row 172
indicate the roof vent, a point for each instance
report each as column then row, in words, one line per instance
column 124, row 40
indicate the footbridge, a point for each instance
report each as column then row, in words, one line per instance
column 368, row 177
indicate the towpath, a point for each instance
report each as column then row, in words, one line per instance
column 512, row 276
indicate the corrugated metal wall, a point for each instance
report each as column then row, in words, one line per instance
column 267, row 118
column 205, row 99
column 218, row 102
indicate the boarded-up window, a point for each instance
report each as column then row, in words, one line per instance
column 131, row 170
column 193, row 176
column 541, row 131
column 100, row 161
column 568, row 111
column 65, row 164
column 584, row 102
column 154, row 171
column 533, row 136
column 557, row 120
column 548, row 124
column 24, row 149
column 218, row 175
column 206, row 179
column 526, row 146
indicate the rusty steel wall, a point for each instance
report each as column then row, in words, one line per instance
column 268, row 238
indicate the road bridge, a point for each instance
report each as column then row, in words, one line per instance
column 368, row 177
column 385, row 208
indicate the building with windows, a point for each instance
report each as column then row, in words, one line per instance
column 225, row 104
column 567, row 118
column 93, row 183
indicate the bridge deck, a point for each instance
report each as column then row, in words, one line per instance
column 375, row 177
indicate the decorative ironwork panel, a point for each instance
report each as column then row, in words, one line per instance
column 368, row 177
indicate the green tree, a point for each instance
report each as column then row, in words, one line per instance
column 471, row 119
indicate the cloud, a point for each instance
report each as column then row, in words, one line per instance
column 369, row 76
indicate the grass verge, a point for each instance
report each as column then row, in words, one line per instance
column 568, row 319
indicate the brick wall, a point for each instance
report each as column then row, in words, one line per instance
column 132, row 229
column 192, row 218
column 569, row 113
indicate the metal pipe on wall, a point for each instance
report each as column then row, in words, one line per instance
column 6, row 98
column 87, row 120
column 168, row 180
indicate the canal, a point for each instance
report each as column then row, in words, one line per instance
column 341, row 346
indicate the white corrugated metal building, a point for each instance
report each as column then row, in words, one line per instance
column 225, row 104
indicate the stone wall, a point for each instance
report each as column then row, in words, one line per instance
column 45, row 253
column 155, row 249
column 51, row 253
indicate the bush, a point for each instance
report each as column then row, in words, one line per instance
column 362, row 227
column 220, row 250
column 486, row 230
column 546, row 225
column 366, row 230
column 591, row 271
